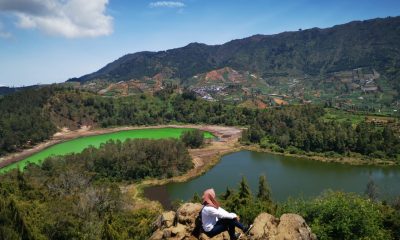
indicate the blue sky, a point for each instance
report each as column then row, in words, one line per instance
column 47, row 41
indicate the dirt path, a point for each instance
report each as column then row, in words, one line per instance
column 65, row 135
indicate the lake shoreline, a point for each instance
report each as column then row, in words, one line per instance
column 288, row 177
column 64, row 136
column 85, row 131
column 255, row 148
column 342, row 159
column 204, row 159
column 194, row 173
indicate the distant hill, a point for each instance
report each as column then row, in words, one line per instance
column 7, row 90
column 372, row 43
column 355, row 66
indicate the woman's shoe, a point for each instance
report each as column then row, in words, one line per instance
column 247, row 230
column 237, row 236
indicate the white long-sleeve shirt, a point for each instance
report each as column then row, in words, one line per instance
column 210, row 216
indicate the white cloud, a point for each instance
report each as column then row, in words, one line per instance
column 68, row 18
column 168, row 4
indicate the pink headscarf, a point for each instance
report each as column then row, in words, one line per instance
column 209, row 198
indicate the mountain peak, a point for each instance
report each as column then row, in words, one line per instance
column 309, row 52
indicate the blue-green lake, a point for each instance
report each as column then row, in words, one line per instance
column 287, row 177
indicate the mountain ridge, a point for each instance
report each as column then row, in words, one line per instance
column 314, row 51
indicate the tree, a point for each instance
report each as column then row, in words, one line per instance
column 19, row 222
column 337, row 215
column 227, row 193
column 396, row 203
column 22, row 184
column 108, row 233
column 193, row 138
column 372, row 190
column 255, row 133
column 264, row 192
column 196, row 198
column 244, row 190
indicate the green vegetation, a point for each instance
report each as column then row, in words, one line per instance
column 310, row 65
column 337, row 215
column 35, row 118
column 245, row 204
column 294, row 129
column 308, row 52
column 23, row 121
column 77, row 196
column 333, row 215
column 193, row 138
column 332, row 114
column 300, row 129
column 79, row 144
column 86, row 184
column 134, row 159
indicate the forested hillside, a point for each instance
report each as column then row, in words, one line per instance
column 83, row 196
column 295, row 134
column 373, row 43
column 297, row 129
column 23, row 120
column 301, row 129
column 78, row 196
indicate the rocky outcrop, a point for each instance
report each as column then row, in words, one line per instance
column 288, row 226
column 182, row 224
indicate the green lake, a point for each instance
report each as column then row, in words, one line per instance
column 287, row 177
column 79, row 144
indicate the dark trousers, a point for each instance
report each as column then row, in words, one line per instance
column 225, row 225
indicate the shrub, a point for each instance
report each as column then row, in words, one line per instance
column 193, row 138
column 293, row 150
column 337, row 215
column 247, row 206
column 264, row 143
column 378, row 154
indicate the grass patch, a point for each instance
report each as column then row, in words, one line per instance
column 79, row 144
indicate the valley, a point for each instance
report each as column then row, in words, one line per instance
column 303, row 122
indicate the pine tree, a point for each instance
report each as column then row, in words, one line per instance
column 372, row 190
column 22, row 183
column 19, row 222
column 264, row 191
column 227, row 193
column 244, row 189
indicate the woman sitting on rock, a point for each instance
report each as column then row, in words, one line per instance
column 216, row 220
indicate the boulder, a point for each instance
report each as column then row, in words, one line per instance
column 180, row 225
column 289, row 226
column 187, row 215
column 264, row 224
column 165, row 220
column 293, row 226
column 221, row 236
